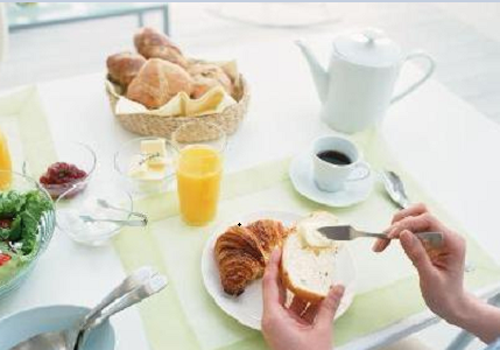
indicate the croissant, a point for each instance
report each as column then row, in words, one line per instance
column 123, row 67
column 157, row 82
column 153, row 44
column 269, row 233
column 242, row 253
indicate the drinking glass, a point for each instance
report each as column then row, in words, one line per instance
column 200, row 145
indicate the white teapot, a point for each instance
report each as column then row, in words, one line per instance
column 357, row 88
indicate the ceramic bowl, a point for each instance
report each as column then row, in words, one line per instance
column 18, row 327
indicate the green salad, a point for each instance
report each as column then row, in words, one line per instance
column 20, row 215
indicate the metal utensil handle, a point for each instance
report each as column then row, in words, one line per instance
column 136, row 279
column 134, row 213
column 375, row 235
column 153, row 286
column 133, row 223
column 404, row 203
column 435, row 238
column 137, row 214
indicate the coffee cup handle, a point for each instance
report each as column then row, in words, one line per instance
column 361, row 171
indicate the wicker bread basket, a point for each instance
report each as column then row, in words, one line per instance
column 162, row 126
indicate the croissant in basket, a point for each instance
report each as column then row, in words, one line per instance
column 242, row 252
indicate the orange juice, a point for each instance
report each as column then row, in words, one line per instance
column 198, row 183
column 5, row 163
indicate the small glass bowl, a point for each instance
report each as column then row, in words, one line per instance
column 78, row 154
column 123, row 160
column 71, row 214
column 46, row 228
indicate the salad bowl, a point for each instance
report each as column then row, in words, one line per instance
column 27, row 224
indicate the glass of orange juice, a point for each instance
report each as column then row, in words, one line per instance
column 5, row 163
column 199, row 170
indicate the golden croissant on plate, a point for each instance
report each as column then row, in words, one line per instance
column 242, row 252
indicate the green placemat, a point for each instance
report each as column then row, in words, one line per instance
column 185, row 317
column 24, row 122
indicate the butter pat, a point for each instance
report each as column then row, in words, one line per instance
column 153, row 175
column 155, row 152
column 154, row 146
column 151, row 164
column 308, row 230
column 138, row 169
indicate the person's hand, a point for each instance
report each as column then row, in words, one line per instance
column 441, row 270
column 301, row 326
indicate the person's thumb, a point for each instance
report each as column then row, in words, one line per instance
column 329, row 306
column 416, row 253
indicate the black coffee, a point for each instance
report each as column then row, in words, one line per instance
column 334, row 157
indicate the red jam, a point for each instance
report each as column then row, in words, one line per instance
column 60, row 177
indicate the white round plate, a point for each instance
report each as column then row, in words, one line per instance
column 301, row 174
column 247, row 308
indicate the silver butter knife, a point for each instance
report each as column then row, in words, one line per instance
column 348, row 233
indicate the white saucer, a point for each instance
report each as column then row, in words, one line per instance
column 301, row 174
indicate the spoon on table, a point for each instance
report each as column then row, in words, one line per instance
column 139, row 285
column 395, row 189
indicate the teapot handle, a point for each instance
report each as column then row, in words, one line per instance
column 430, row 69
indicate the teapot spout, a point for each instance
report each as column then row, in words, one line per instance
column 320, row 76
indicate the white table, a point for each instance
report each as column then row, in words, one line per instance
column 447, row 145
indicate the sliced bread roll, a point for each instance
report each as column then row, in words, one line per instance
column 308, row 260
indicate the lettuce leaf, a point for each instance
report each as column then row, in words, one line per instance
column 26, row 210
column 11, row 203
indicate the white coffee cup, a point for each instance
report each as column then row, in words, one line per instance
column 333, row 177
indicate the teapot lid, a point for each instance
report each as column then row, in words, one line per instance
column 369, row 47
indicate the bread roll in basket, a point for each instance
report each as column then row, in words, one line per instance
column 162, row 126
column 164, row 89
